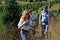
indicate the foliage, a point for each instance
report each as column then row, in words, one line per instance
column 12, row 12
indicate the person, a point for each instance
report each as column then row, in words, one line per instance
column 24, row 25
column 33, row 18
column 45, row 18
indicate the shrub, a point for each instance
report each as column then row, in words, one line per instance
column 54, row 12
column 11, row 12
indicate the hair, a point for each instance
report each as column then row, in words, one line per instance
column 46, row 7
column 24, row 13
column 30, row 10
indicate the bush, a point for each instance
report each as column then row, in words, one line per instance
column 51, row 4
column 1, row 8
column 11, row 12
column 54, row 12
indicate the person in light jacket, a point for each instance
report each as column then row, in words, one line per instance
column 24, row 25
column 33, row 18
column 45, row 21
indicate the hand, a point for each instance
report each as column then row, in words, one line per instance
column 19, row 27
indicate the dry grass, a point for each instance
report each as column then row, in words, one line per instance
column 55, row 6
column 54, row 33
column 54, row 28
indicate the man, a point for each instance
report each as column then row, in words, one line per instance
column 45, row 18
column 33, row 18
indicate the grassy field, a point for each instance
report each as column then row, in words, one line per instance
column 54, row 30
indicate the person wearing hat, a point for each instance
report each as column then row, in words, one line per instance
column 33, row 17
column 45, row 17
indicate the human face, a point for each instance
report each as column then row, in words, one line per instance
column 46, row 10
column 27, row 16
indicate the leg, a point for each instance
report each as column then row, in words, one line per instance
column 43, row 30
column 27, row 35
column 46, row 31
column 22, row 35
column 33, row 31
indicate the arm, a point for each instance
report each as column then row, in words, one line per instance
column 35, row 17
column 50, row 14
column 21, row 24
column 40, row 17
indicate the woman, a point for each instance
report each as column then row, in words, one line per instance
column 24, row 25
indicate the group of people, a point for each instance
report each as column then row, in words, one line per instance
column 27, row 22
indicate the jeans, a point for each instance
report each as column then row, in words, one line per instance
column 24, row 34
column 44, row 27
